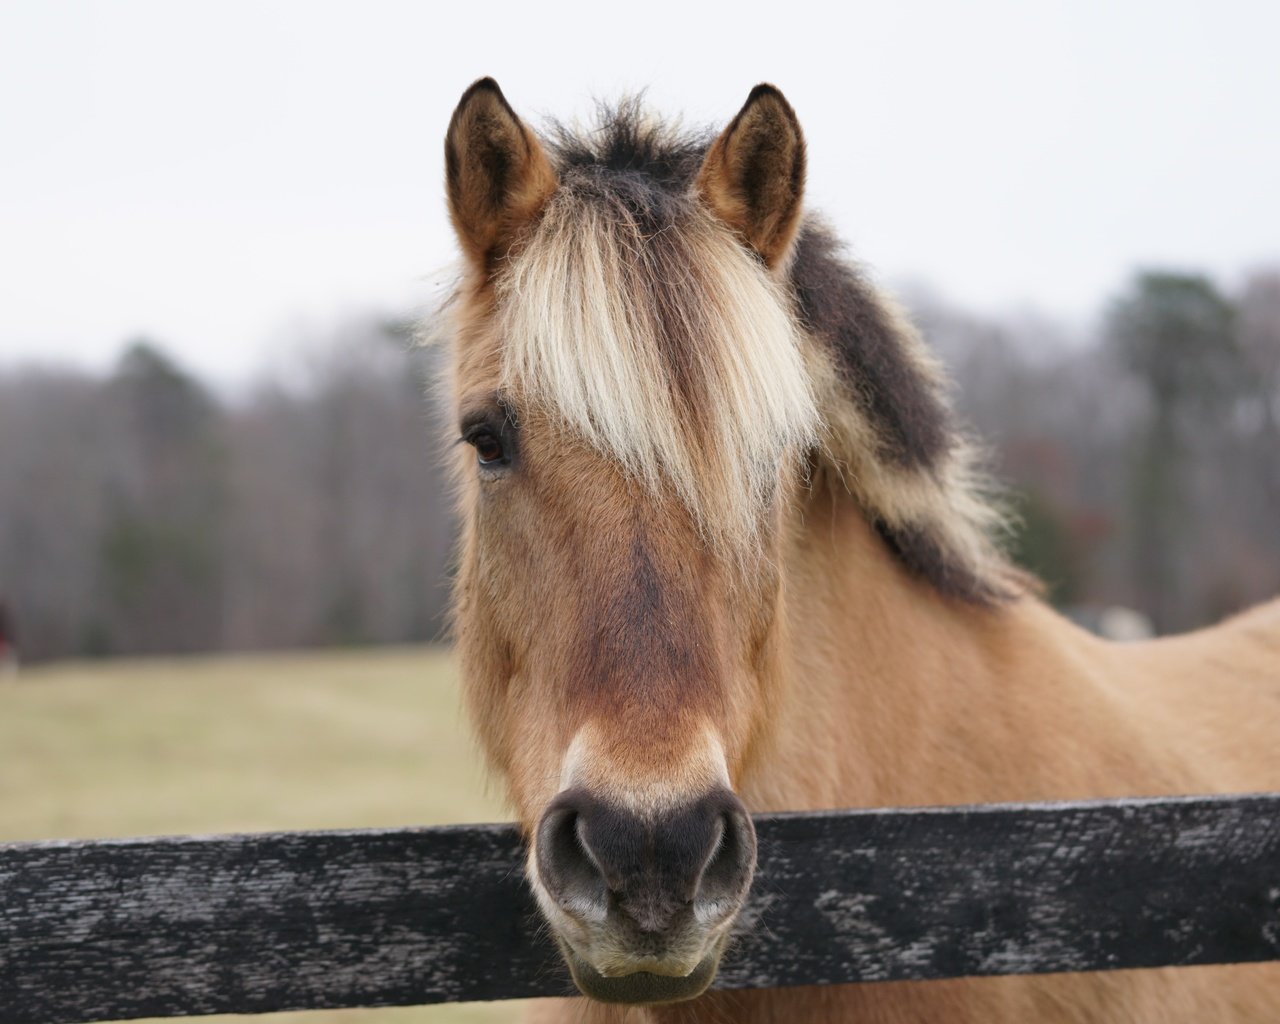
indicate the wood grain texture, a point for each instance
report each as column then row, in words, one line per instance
column 249, row 924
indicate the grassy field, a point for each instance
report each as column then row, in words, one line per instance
column 198, row 745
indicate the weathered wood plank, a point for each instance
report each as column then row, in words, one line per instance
column 249, row 924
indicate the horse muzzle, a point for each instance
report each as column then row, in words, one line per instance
column 642, row 904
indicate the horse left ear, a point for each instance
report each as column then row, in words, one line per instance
column 753, row 174
column 496, row 172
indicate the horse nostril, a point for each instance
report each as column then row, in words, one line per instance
column 594, row 859
column 565, row 864
column 726, row 876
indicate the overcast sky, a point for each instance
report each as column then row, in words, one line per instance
column 228, row 177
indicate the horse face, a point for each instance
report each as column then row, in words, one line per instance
column 618, row 683
column 619, row 641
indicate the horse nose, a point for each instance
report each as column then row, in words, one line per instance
column 594, row 858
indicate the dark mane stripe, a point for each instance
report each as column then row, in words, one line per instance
column 841, row 309
column 923, row 554
column 627, row 141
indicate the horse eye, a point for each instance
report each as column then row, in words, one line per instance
column 488, row 446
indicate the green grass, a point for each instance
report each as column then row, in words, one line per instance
column 232, row 744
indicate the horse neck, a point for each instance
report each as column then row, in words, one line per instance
column 892, row 694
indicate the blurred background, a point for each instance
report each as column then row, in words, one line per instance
column 223, row 529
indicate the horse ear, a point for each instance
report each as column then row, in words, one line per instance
column 496, row 172
column 753, row 174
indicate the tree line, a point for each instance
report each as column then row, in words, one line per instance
column 1144, row 459
column 142, row 513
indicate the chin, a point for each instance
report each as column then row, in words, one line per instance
column 642, row 987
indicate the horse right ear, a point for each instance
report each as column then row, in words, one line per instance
column 496, row 172
column 753, row 175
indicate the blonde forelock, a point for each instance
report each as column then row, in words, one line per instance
column 664, row 343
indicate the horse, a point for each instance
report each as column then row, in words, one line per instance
column 725, row 550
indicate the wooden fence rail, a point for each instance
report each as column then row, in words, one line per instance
column 253, row 923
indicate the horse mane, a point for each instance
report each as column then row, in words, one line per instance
column 891, row 434
column 632, row 315
column 640, row 321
